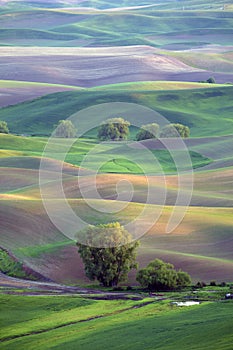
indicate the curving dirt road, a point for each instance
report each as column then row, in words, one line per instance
column 11, row 285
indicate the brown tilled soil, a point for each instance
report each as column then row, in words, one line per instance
column 89, row 67
column 93, row 70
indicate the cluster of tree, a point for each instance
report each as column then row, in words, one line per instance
column 150, row 131
column 111, row 263
column 3, row 127
column 117, row 129
column 202, row 284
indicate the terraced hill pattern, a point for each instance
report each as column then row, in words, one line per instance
column 58, row 58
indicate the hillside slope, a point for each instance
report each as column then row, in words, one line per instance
column 202, row 244
column 144, row 26
column 200, row 109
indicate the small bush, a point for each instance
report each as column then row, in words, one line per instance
column 200, row 284
column 212, row 283
column 223, row 284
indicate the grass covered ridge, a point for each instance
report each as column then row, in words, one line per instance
column 157, row 26
column 200, row 109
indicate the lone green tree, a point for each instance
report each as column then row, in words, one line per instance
column 65, row 129
column 175, row 130
column 109, row 254
column 148, row 131
column 3, row 127
column 114, row 129
column 159, row 275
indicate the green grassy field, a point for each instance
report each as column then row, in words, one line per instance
column 77, row 323
column 199, row 109
column 113, row 159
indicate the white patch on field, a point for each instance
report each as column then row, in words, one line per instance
column 186, row 303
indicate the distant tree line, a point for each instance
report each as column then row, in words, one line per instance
column 117, row 129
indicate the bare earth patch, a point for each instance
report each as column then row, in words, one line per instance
column 88, row 67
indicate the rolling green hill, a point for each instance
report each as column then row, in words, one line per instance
column 155, row 26
column 31, row 149
column 207, row 112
